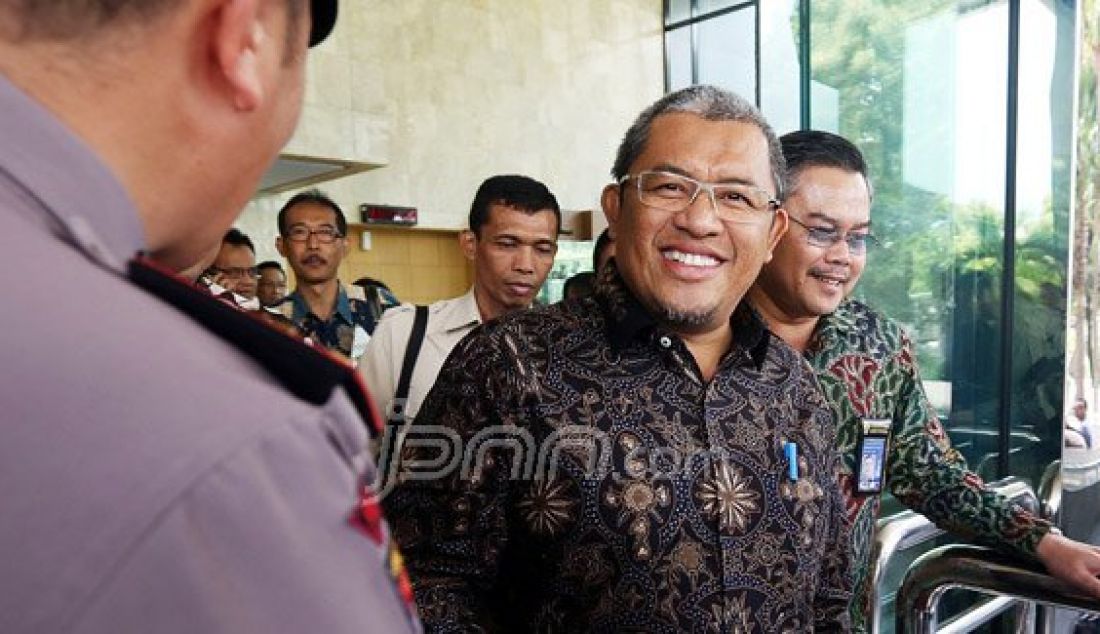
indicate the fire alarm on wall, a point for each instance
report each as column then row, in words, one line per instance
column 387, row 215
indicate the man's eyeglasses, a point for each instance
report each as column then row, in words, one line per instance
column 826, row 237
column 301, row 233
column 734, row 202
column 236, row 272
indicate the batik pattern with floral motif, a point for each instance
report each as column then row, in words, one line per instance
column 657, row 501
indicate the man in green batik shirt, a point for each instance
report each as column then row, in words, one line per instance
column 888, row 434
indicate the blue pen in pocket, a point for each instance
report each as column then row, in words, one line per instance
column 791, row 449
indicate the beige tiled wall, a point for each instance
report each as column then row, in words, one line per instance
column 419, row 266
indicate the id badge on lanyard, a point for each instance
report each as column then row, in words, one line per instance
column 874, row 440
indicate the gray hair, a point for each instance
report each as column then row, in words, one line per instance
column 710, row 103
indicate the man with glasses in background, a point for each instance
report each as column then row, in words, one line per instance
column 313, row 239
column 887, row 432
column 691, row 483
column 270, row 283
column 232, row 276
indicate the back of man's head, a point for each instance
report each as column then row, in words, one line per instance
column 514, row 191
column 804, row 149
column 217, row 81
column 60, row 20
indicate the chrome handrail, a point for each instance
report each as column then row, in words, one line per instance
column 978, row 616
column 907, row 529
column 1050, row 490
column 981, row 570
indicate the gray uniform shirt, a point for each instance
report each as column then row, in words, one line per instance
column 152, row 478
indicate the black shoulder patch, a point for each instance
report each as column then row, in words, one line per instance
column 308, row 373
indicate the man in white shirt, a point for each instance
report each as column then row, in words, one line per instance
column 512, row 239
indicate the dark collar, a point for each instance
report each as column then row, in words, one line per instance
column 836, row 326
column 628, row 320
column 309, row 373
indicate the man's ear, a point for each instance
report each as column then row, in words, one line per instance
column 280, row 246
column 239, row 39
column 780, row 224
column 611, row 201
column 467, row 240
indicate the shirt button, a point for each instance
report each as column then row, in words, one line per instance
column 665, row 341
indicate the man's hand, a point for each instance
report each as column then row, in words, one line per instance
column 1075, row 563
column 222, row 279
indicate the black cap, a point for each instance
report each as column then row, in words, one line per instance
column 323, row 13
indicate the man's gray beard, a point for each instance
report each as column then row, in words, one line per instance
column 680, row 319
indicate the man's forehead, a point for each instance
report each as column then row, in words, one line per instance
column 832, row 196
column 839, row 218
column 310, row 213
column 506, row 219
column 726, row 150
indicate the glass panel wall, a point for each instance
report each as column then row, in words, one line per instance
column 921, row 89
column 779, row 66
column 1043, row 191
column 727, row 52
column 678, row 66
column 964, row 111
column 711, row 42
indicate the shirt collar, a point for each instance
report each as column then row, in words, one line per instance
column 628, row 320
column 833, row 327
column 301, row 309
column 343, row 304
column 78, row 195
column 463, row 314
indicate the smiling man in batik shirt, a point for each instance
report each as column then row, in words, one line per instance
column 649, row 459
column 888, row 434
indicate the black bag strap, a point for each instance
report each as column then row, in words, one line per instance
column 412, row 352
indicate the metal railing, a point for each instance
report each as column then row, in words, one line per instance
column 981, row 570
column 907, row 529
column 1050, row 491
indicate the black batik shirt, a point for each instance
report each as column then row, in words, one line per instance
column 571, row 472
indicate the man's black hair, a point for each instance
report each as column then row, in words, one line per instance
column 271, row 264
column 236, row 237
column 584, row 283
column 515, row 191
column 603, row 241
column 815, row 148
column 316, row 197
